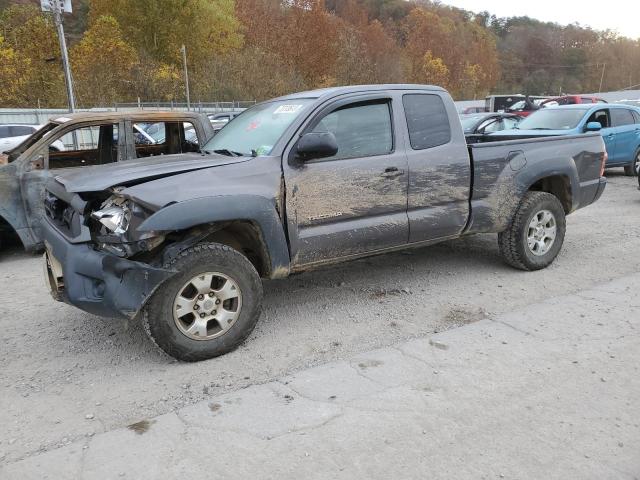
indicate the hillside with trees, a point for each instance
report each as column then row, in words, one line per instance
column 122, row 50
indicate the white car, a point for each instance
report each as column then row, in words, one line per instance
column 13, row 135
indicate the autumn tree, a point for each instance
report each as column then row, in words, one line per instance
column 255, row 49
column 31, row 37
column 434, row 71
column 12, row 78
column 103, row 64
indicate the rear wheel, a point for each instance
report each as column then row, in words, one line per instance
column 536, row 233
column 632, row 170
column 208, row 308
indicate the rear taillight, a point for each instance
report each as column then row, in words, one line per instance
column 605, row 156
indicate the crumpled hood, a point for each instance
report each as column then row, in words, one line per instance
column 102, row 177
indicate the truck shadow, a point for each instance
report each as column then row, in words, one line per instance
column 362, row 282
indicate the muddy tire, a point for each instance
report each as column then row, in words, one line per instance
column 208, row 308
column 536, row 232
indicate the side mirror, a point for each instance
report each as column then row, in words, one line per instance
column 593, row 127
column 317, row 145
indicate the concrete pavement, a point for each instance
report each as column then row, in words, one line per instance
column 547, row 391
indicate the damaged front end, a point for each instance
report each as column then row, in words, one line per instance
column 114, row 227
column 95, row 258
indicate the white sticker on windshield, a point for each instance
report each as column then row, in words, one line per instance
column 287, row 109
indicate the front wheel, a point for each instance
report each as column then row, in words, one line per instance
column 536, row 233
column 633, row 169
column 209, row 307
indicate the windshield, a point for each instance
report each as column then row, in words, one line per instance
column 518, row 105
column 469, row 121
column 553, row 119
column 256, row 130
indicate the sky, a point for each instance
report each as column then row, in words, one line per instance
column 622, row 16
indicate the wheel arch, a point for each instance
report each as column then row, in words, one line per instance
column 248, row 223
column 7, row 226
column 558, row 185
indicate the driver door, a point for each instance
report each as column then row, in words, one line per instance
column 608, row 133
column 356, row 201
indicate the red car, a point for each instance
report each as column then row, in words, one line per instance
column 571, row 100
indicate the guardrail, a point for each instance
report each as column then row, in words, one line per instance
column 38, row 116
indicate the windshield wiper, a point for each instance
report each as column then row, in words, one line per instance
column 227, row 152
column 541, row 128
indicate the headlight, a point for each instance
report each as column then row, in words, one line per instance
column 114, row 214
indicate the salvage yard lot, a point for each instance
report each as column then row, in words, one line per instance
column 67, row 374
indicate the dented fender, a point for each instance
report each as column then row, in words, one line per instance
column 253, row 208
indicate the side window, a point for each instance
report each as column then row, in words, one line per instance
column 427, row 120
column 85, row 138
column 601, row 116
column 83, row 146
column 510, row 123
column 621, row 117
column 190, row 134
column 20, row 130
column 493, row 125
column 164, row 138
column 4, row 131
column 361, row 130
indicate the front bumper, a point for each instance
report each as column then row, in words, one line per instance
column 97, row 282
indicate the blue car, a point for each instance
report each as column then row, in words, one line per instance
column 619, row 126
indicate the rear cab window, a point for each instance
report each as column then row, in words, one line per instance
column 164, row 138
column 427, row 120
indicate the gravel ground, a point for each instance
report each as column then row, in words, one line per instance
column 66, row 374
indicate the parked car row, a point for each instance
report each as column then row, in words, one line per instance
column 619, row 125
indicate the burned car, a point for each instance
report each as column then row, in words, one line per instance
column 72, row 142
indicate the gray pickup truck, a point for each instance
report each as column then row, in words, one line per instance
column 81, row 140
column 294, row 183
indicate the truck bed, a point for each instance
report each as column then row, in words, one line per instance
column 574, row 163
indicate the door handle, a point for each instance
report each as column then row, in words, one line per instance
column 392, row 172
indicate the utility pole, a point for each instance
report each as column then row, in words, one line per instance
column 57, row 7
column 604, row 65
column 186, row 75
